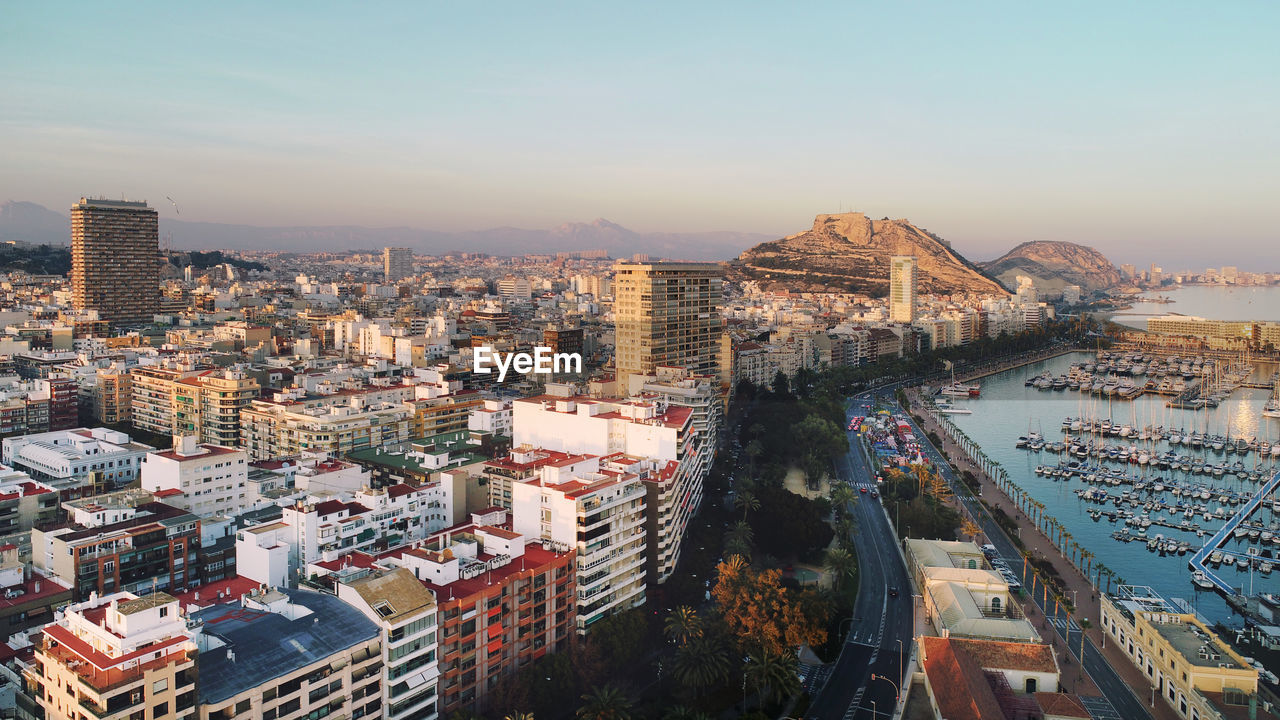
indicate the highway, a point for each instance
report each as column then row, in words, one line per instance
column 879, row 638
column 1122, row 700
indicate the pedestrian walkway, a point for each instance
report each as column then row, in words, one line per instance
column 1072, row 581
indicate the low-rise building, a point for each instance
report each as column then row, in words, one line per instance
column 962, row 595
column 202, row 478
column 78, row 462
column 1192, row 670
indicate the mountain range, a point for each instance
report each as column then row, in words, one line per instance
column 846, row 251
column 33, row 223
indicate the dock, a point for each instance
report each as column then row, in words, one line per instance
column 1218, row 539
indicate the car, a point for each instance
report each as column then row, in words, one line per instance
column 862, row 490
column 875, row 494
column 893, row 591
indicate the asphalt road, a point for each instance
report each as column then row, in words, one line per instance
column 1114, row 689
column 879, row 639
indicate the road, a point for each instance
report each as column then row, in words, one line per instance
column 879, row 639
column 1114, row 689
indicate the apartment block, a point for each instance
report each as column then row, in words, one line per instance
column 24, row 502
column 503, row 601
column 405, row 611
column 598, row 510
column 208, row 404
column 666, row 314
column 202, row 478
column 397, row 263
column 110, row 545
column 904, row 279
column 115, row 259
column 120, row 655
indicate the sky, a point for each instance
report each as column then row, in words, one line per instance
column 1148, row 130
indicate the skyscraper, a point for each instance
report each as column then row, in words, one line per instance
column 666, row 313
column 902, row 288
column 115, row 259
column 397, row 263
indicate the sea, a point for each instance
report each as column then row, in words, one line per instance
column 1008, row 409
column 1213, row 302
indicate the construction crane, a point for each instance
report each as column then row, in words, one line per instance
column 166, row 246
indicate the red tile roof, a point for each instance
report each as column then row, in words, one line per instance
column 1061, row 705
column 958, row 685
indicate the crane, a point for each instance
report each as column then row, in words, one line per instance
column 167, row 247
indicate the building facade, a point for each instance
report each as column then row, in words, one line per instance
column 115, row 259
column 903, row 283
column 666, row 314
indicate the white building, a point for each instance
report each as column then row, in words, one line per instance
column 494, row 417
column 64, row 459
column 202, row 478
column 598, row 509
column 405, row 611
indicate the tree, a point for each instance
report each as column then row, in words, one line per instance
column 619, row 640
column 606, row 702
column 738, row 540
column 702, row 663
column 682, row 625
column 773, row 674
column 762, row 615
column 746, row 501
column 842, row 565
column 518, row 716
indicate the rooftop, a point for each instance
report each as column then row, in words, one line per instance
column 146, row 602
column 267, row 645
column 1197, row 646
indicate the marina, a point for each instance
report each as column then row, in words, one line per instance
column 1148, row 486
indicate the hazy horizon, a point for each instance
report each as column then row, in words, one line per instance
column 1146, row 135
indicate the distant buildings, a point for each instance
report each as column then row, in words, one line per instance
column 397, row 263
column 903, row 281
column 115, row 259
column 666, row 313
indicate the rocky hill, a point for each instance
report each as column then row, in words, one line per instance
column 1053, row 264
column 850, row 252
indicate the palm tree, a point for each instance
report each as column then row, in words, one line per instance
column 747, row 501
column 773, row 673
column 606, row 702
column 738, row 540
column 841, row 496
column 518, row 716
column 841, row 564
column 682, row 625
column 701, row 663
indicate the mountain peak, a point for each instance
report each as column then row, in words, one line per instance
column 1053, row 264
column 850, row 252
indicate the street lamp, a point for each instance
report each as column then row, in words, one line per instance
column 897, row 693
column 899, row 641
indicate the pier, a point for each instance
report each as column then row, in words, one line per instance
column 1197, row 562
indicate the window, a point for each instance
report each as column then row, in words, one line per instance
column 242, row 707
column 160, row 710
column 159, row 686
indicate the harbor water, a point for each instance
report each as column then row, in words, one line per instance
column 1208, row 301
column 1009, row 409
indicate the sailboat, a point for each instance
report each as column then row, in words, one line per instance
column 1272, row 408
column 959, row 389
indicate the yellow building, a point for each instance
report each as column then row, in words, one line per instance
column 111, row 398
column 270, row 429
column 1191, row 668
column 444, row 414
column 152, row 398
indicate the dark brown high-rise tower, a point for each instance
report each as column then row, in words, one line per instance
column 115, row 259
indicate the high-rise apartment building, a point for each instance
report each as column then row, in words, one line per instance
column 666, row 313
column 115, row 259
column 903, row 279
column 397, row 263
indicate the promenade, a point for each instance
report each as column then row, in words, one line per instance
column 1071, row 579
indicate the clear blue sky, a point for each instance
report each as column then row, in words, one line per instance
column 1129, row 126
